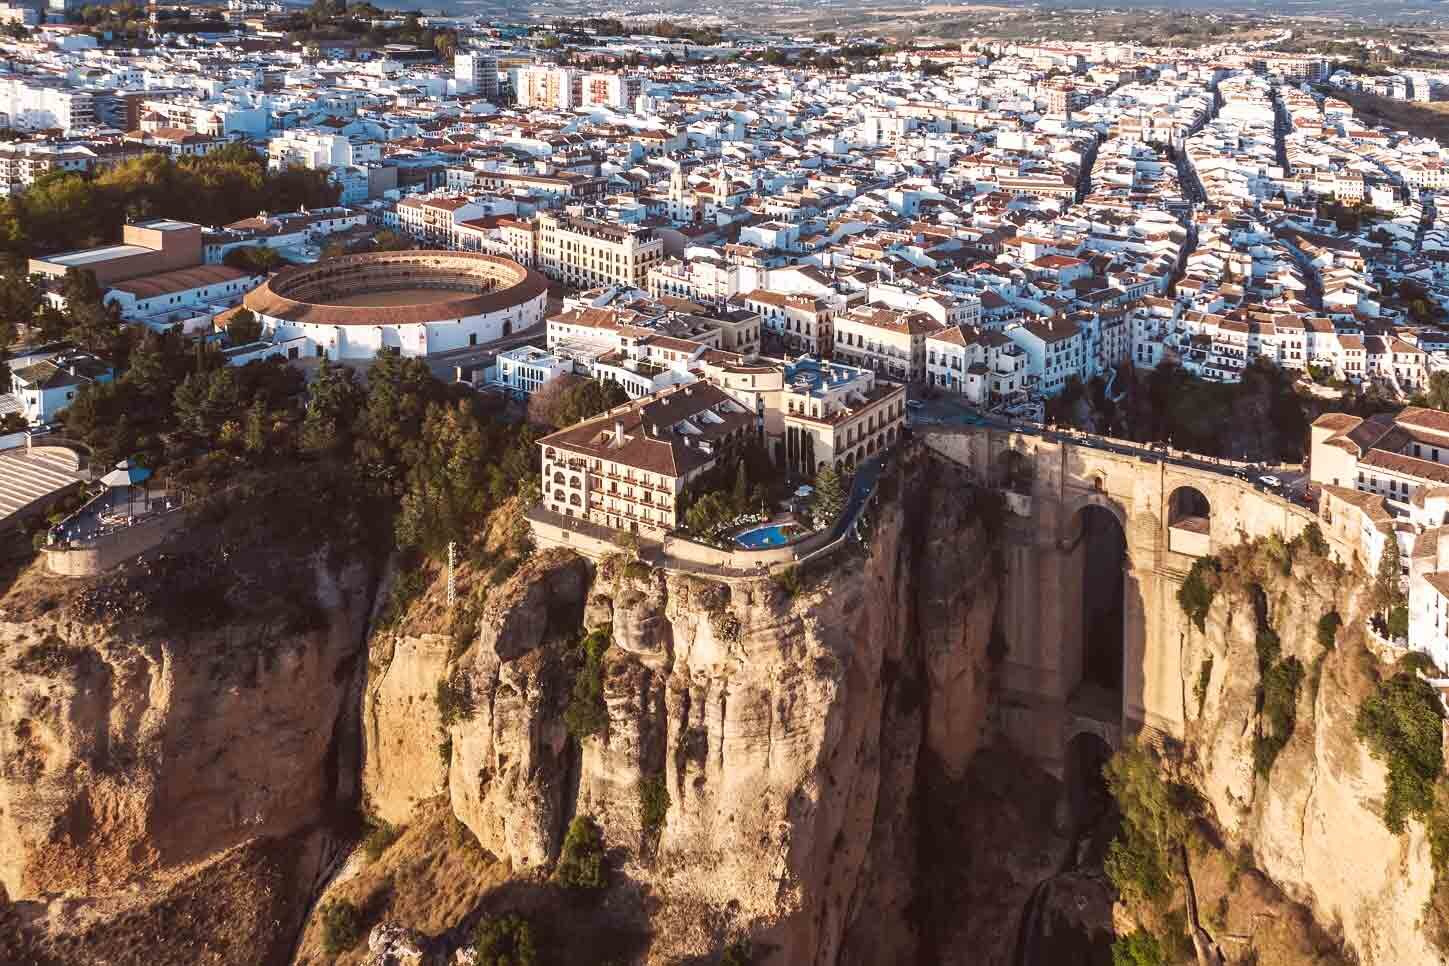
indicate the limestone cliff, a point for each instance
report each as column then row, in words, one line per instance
column 150, row 730
column 786, row 724
column 1312, row 824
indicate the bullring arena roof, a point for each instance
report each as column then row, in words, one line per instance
column 310, row 294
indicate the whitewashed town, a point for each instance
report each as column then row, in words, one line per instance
column 690, row 297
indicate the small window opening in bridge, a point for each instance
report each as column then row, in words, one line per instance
column 1189, row 521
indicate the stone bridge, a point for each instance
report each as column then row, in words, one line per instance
column 1099, row 540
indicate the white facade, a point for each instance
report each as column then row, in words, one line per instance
column 527, row 368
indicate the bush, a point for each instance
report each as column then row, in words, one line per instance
column 1157, row 817
column 581, row 860
column 380, row 836
column 638, row 570
column 737, row 953
column 341, row 926
column 503, row 568
column 410, row 584
column 1278, row 712
column 726, row 626
column 1402, row 723
column 445, row 751
column 1313, row 539
column 1198, row 589
column 1399, row 622
column 653, row 804
column 587, row 714
column 788, row 580
column 454, row 702
column 505, row 941
column 1328, row 626
column 1139, row 948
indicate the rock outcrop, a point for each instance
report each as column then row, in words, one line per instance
column 1312, row 825
column 785, row 725
column 140, row 747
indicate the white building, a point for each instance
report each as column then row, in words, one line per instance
column 477, row 73
column 526, row 368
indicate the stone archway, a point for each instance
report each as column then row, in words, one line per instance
column 1095, row 593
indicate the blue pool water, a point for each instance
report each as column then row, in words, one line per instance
column 771, row 536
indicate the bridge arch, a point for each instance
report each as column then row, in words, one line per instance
column 1094, row 593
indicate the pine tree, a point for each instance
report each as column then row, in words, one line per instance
column 742, row 488
column 829, row 498
column 1387, row 591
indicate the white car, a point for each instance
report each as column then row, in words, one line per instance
column 1271, row 482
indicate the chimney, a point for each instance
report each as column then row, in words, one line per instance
column 618, row 433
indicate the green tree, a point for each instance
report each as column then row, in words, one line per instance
column 20, row 299
column 505, row 941
column 737, row 953
column 581, row 860
column 1140, row 948
column 1436, row 394
column 254, row 440
column 445, row 496
column 1388, row 583
column 341, row 926
column 1402, row 723
column 742, row 487
column 243, row 327
column 399, row 392
column 333, row 402
column 828, row 500
column 587, row 714
column 1157, row 818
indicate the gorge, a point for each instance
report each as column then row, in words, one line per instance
column 888, row 756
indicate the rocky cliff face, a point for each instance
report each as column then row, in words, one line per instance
column 1313, row 824
column 787, row 726
column 140, row 741
column 826, row 749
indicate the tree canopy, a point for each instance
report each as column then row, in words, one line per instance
column 65, row 210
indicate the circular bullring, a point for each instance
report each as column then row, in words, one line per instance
column 417, row 302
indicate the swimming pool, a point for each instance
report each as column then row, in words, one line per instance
column 769, row 536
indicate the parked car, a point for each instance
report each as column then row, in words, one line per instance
column 914, row 404
column 1271, row 482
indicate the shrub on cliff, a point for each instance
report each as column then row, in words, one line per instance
column 454, row 702
column 737, row 953
column 581, row 860
column 653, row 804
column 1139, row 948
column 1279, row 712
column 1157, row 822
column 587, row 714
column 505, row 941
column 380, row 836
column 341, row 926
column 1402, row 723
column 1328, row 626
column 1198, row 589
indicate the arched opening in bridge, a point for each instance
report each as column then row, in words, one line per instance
column 1188, row 508
column 1101, row 553
column 1189, row 522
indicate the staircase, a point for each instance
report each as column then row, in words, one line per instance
column 28, row 476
